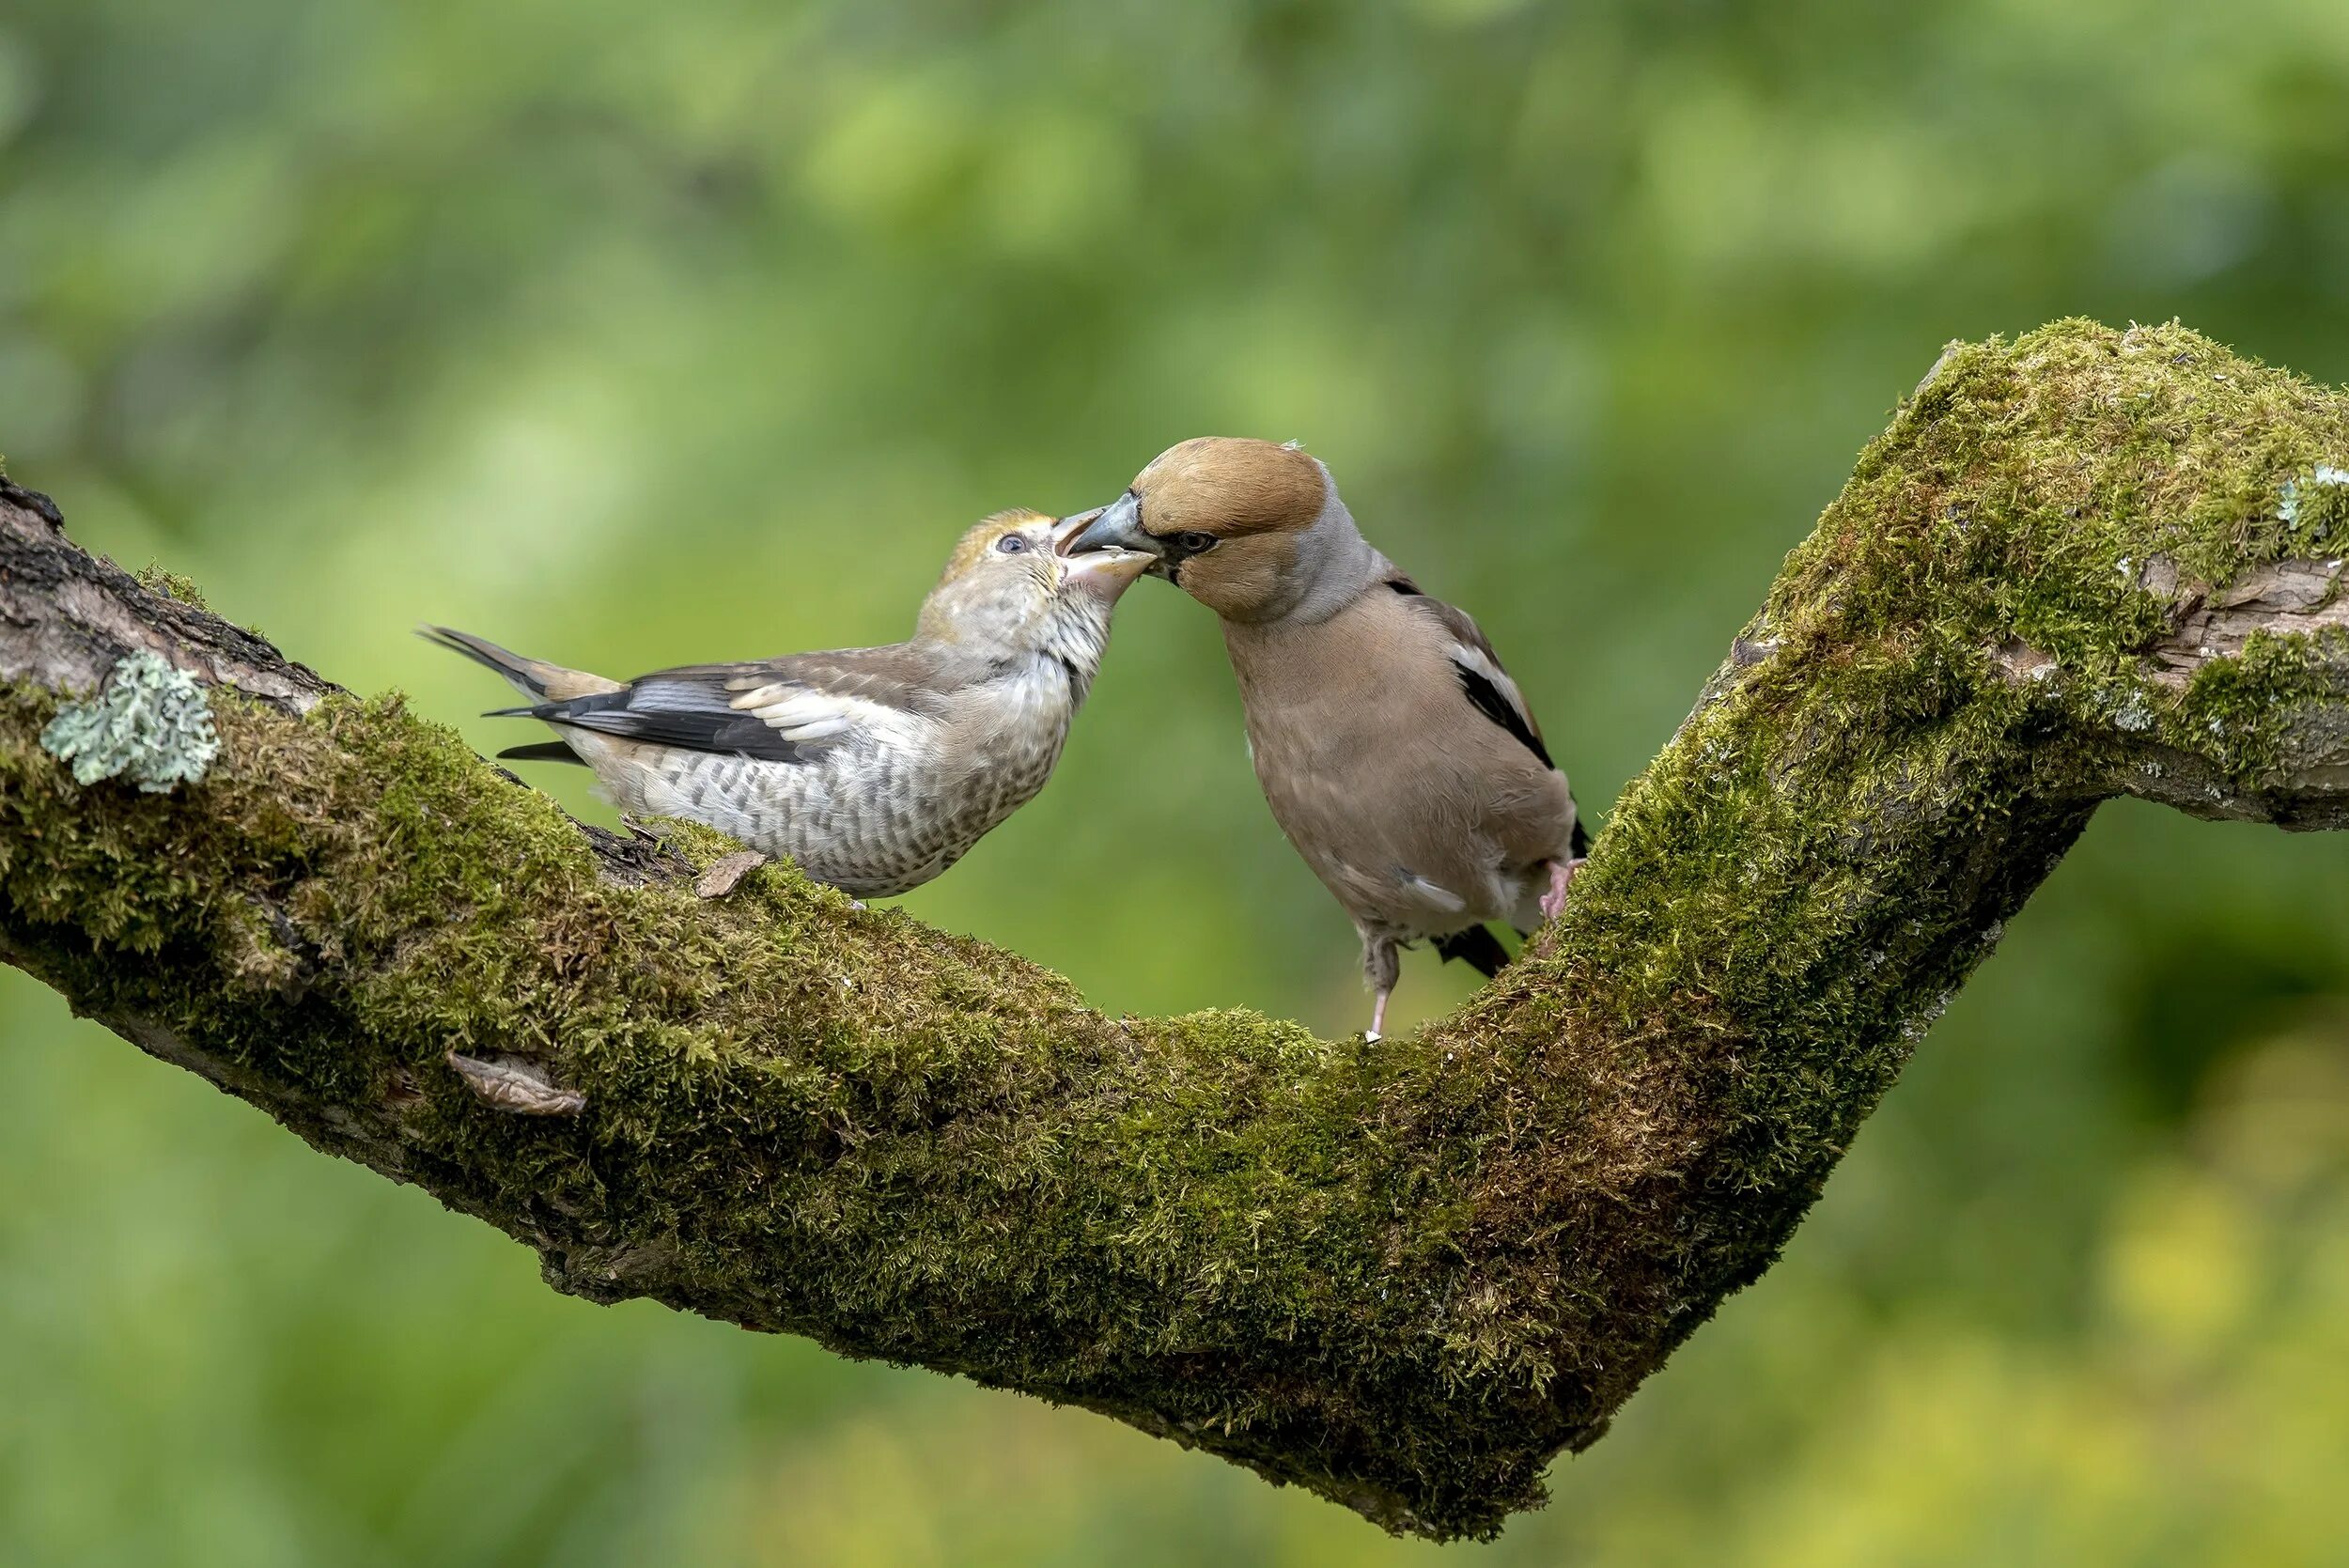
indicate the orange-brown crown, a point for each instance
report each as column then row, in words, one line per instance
column 1230, row 486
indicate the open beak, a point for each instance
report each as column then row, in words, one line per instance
column 1115, row 526
column 1102, row 566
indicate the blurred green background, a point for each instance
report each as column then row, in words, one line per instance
column 635, row 335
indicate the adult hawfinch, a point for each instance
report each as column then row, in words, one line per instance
column 1396, row 754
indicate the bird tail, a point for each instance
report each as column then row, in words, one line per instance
column 532, row 678
column 1476, row 947
column 541, row 750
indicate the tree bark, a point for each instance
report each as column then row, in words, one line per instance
column 1406, row 1275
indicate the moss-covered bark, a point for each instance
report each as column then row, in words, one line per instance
column 1405, row 1275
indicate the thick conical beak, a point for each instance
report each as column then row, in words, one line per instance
column 1103, row 568
column 1115, row 526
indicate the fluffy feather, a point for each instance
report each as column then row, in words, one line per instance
column 876, row 769
column 1396, row 751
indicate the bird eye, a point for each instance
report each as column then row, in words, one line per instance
column 1192, row 543
column 1011, row 544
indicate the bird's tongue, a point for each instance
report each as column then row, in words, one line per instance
column 1066, row 530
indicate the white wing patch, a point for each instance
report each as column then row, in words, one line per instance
column 1441, row 897
column 1479, row 660
column 804, row 715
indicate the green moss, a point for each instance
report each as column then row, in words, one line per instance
column 2236, row 711
column 1405, row 1274
column 156, row 579
column 1785, row 899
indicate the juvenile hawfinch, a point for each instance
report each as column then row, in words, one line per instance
column 874, row 769
column 1396, row 754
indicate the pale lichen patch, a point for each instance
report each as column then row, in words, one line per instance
column 151, row 723
column 2325, row 476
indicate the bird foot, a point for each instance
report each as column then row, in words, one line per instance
column 1377, row 1019
column 1561, row 874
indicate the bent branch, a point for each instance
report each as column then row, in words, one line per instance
column 1406, row 1275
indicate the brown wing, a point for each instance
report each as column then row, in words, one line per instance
column 1483, row 680
column 775, row 709
column 1486, row 685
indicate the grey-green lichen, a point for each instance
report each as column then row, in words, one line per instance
column 2325, row 476
column 1405, row 1275
column 151, row 723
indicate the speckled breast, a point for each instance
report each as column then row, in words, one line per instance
column 871, row 825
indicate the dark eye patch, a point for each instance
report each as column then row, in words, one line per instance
column 1179, row 548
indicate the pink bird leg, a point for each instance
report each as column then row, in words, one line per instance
column 1561, row 872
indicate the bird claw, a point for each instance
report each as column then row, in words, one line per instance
column 1561, row 874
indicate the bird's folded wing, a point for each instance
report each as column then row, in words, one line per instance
column 1482, row 679
column 776, row 711
column 1491, row 690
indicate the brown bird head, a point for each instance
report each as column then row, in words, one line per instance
column 1248, row 528
column 1008, row 586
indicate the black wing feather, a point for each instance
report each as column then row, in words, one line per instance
column 1481, row 690
column 1476, row 947
column 1493, row 705
column 695, row 714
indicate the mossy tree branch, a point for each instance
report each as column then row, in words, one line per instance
column 2085, row 564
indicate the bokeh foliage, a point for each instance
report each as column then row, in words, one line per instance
column 636, row 334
